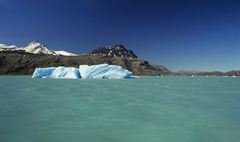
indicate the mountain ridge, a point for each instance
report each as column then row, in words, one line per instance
column 23, row 61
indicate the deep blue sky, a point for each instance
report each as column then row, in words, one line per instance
column 180, row 34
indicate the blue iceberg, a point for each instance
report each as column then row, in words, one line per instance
column 104, row 71
column 56, row 72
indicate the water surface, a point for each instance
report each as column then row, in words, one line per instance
column 149, row 109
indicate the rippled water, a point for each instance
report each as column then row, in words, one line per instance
column 149, row 109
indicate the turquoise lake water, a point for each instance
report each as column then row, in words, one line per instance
column 149, row 109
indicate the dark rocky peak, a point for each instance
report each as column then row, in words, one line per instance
column 119, row 46
column 114, row 51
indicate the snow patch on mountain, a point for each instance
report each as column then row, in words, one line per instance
column 4, row 47
column 64, row 53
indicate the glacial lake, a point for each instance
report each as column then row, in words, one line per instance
column 149, row 109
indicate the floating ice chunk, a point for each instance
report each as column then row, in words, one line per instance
column 104, row 71
column 56, row 72
column 43, row 72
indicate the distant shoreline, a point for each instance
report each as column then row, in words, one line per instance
column 19, row 63
column 14, row 63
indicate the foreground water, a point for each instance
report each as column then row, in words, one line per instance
column 149, row 109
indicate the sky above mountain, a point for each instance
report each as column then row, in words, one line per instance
column 180, row 34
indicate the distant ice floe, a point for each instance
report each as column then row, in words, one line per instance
column 102, row 71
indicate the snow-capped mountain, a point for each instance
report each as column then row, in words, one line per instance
column 4, row 47
column 35, row 48
column 114, row 51
column 38, row 48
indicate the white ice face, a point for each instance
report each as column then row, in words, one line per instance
column 104, row 71
column 56, row 72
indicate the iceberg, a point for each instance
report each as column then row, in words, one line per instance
column 104, row 71
column 56, row 72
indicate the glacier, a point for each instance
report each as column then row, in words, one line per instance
column 56, row 72
column 104, row 71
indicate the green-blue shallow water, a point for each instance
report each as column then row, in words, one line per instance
column 149, row 109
